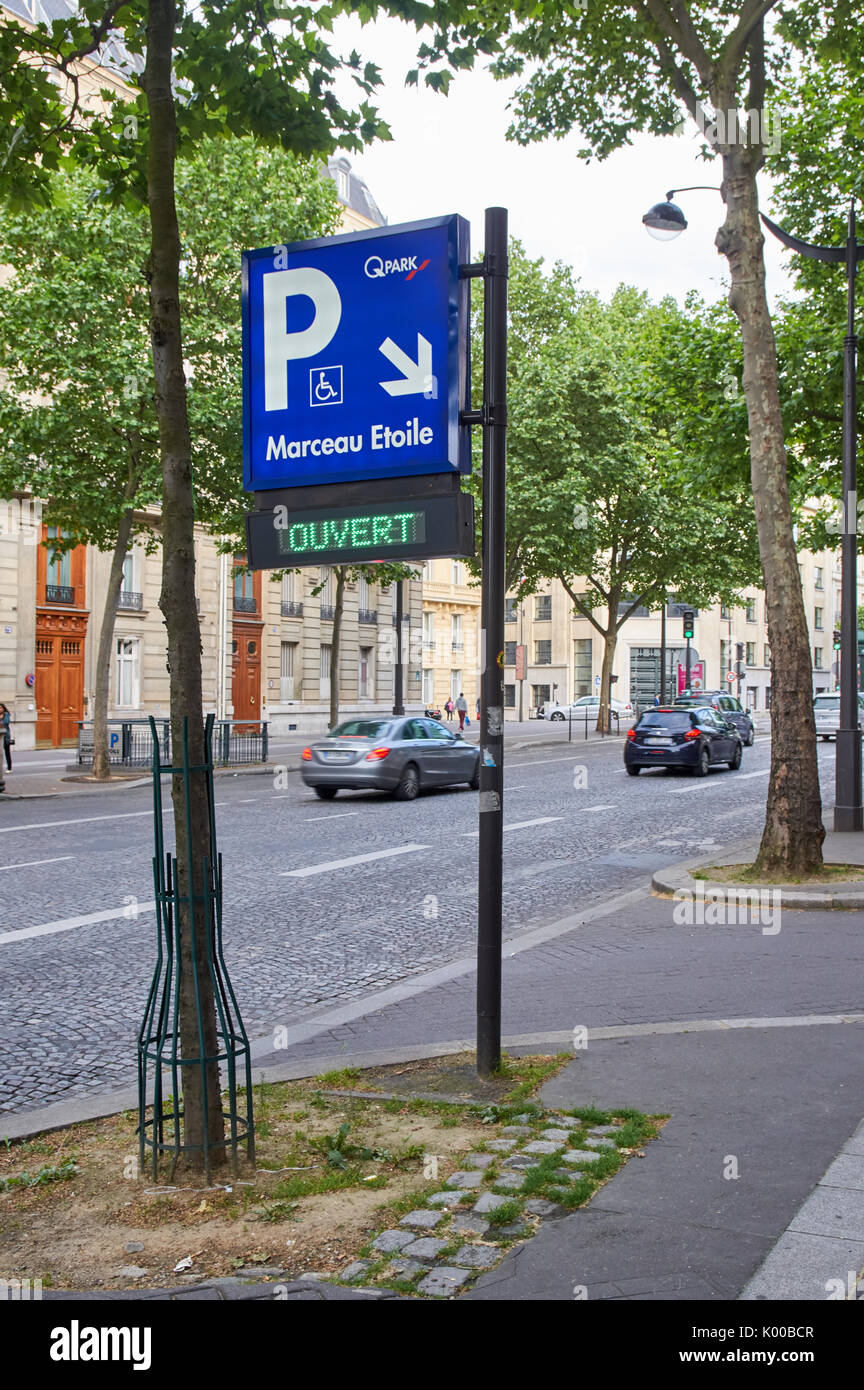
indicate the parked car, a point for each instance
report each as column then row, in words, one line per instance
column 586, row 706
column 728, row 705
column 669, row 736
column 826, row 709
column 402, row 756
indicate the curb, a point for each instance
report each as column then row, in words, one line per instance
column 667, row 882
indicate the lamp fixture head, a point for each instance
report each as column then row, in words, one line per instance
column 665, row 221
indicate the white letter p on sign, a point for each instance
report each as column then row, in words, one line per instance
column 280, row 346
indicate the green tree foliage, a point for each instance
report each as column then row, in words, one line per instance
column 627, row 461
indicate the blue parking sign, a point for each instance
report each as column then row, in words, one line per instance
column 355, row 356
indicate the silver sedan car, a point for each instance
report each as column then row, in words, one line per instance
column 395, row 755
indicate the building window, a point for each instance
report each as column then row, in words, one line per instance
column 244, row 587
column 766, row 655
column 543, row 608
column 751, row 610
column 751, row 653
column 286, row 670
column 542, row 653
column 509, row 697
column 364, row 679
column 817, row 619
column 288, row 588
column 725, row 613
column 767, row 697
column 428, row 687
column 455, row 684
column 455, row 572
column 324, row 670
column 126, row 686
column 817, row 577
column 539, row 695
column 509, row 653
column 456, row 641
column 818, row 663
column 510, row 606
column 583, row 660
column 725, row 658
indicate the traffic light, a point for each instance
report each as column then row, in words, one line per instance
column 689, row 619
column 739, row 651
column 836, row 639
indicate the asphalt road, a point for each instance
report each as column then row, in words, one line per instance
column 303, row 927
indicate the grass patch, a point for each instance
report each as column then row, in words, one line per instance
column 48, row 1173
column 340, row 1080
column 747, row 874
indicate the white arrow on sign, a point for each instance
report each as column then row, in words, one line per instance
column 417, row 376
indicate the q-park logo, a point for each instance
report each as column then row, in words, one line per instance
column 377, row 267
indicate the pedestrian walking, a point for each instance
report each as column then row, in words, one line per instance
column 461, row 709
column 478, row 709
column 8, row 740
column 448, row 709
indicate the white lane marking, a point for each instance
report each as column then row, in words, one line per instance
column 244, row 800
column 340, row 815
column 606, row 806
column 354, row 859
column 517, row 825
column 69, row 923
column 540, row 762
column 81, row 820
column 520, row 788
column 31, row 863
column 700, row 783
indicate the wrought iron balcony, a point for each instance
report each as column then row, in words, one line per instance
column 367, row 615
column 327, row 612
column 127, row 598
column 245, row 605
column 59, row 593
column 290, row 609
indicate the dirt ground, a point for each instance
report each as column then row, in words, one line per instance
column 309, row 1206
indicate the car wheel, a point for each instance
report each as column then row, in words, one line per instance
column 326, row 793
column 557, row 717
column 703, row 766
column 633, row 771
column 750, row 739
column 409, row 784
column 735, row 762
column 474, row 784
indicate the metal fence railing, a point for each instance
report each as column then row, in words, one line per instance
column 130, row 744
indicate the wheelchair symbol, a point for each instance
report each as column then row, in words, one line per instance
column 325, row 386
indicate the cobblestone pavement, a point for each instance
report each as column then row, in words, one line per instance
column 74, row 996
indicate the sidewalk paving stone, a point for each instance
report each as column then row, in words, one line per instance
column 444, row 1280
column 427, row 1248
column 392, row 1240
column 425, row 1220
column 465, row 1180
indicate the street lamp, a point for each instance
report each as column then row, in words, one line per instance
column 665, row 221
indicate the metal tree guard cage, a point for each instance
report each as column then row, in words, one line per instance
column 159, row 1036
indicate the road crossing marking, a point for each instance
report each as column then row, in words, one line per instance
column 701, row 783
column 340, row 815
column 347, row 863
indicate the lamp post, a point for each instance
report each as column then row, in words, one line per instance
column 664, row 221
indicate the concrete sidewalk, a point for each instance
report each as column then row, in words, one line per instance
column 752, row 1044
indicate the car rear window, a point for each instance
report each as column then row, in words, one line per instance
column 360, row 728
column 826, row 702
column 667, row 719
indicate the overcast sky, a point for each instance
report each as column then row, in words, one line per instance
column 449, row 154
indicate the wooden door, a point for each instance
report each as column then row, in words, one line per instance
column 47, row 693
column 246, row 680
column 59, row 687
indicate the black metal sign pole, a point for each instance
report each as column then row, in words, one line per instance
column 489, row 894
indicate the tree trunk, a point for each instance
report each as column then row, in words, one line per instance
column 610, row 641
column 341, row 572
column 793, row 833
column 101, row 761
column 201, row 1102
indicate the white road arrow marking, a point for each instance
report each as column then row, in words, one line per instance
column 418, row 378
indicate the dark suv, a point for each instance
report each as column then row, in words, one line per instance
column 727, row 706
